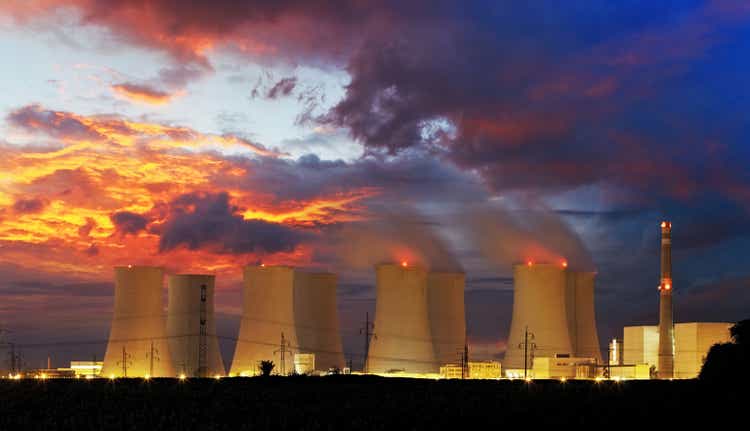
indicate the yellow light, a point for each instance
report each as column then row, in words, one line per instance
column 147, row 377
column 217, row 377
column 89, row 377
column 111, row 377
column 183, row 377
column 43, row 376
column 78, row 376
column 663, row 224
column 563, row 379
column 598, row 379
column 528, row 379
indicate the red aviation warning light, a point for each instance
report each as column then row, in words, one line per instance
column 529, row 263
column 565, row 264
column 404, row 263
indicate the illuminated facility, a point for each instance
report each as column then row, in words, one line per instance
column 553, row 317
column 671, row 350
column 403, row 338
column 194, row 346
column 279, row 302
column 692, row 342
column 137, row 343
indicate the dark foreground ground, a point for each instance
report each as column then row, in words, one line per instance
column 352, row 402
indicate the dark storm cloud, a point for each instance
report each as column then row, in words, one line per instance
column 283, row 87
column 29, row 206
column 53, row 123
column 202, row 220
column 129, row 223
column 411, row 176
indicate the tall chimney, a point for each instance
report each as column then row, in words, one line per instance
column 665, row 366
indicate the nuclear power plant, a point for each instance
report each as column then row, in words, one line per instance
column 290, row 317
column 138, row 344
column 191, row 326
column 553, row 315
column 403, row 336
column 286, row 312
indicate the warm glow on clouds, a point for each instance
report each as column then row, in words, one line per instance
column 107, row 191
column 143, row 94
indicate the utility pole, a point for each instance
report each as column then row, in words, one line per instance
column 367, row 332
column 202, row 342
column 465, row 362
column 527, row 345
column 282, row 351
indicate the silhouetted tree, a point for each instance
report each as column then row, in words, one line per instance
column 729, row 361
column 266, row 367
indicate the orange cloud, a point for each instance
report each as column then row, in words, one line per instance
column 143, row 94
column 59, row 203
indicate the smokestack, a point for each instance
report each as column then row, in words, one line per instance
column 184, row 326
column 403, row 340
column 137, row 343
column 665, row 366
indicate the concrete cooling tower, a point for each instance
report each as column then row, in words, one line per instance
column 539, row 299
column 403, row 339
column 316, row 319
column 137, row 340
column 267, row 312
column 189, row 297
column 581, row 315
column 445, row 300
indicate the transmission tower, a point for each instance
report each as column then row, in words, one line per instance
column 124, row 362
column 528, row 346
column 153, row 354
column 202, row 342
column 367, row 332
column 282, row 350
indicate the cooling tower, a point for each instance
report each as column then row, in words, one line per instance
column 137, row 340
column 184, row 326
column 539, row 304
column 402, row 338
column 267, row 312
column 584, row 339
column 445, row 300
column 316, row 318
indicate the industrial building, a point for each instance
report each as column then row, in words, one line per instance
column 403, row 338
column 474, row 370
column 445, row 300
column 286, row 312
column 553, row 316
column 137, row 345
column 191, row 326
column 692, row 342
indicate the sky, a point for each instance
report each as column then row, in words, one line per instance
column 333, row 135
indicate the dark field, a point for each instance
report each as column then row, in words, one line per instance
column 352, row 402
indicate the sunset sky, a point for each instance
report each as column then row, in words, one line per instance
column 206, row 135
